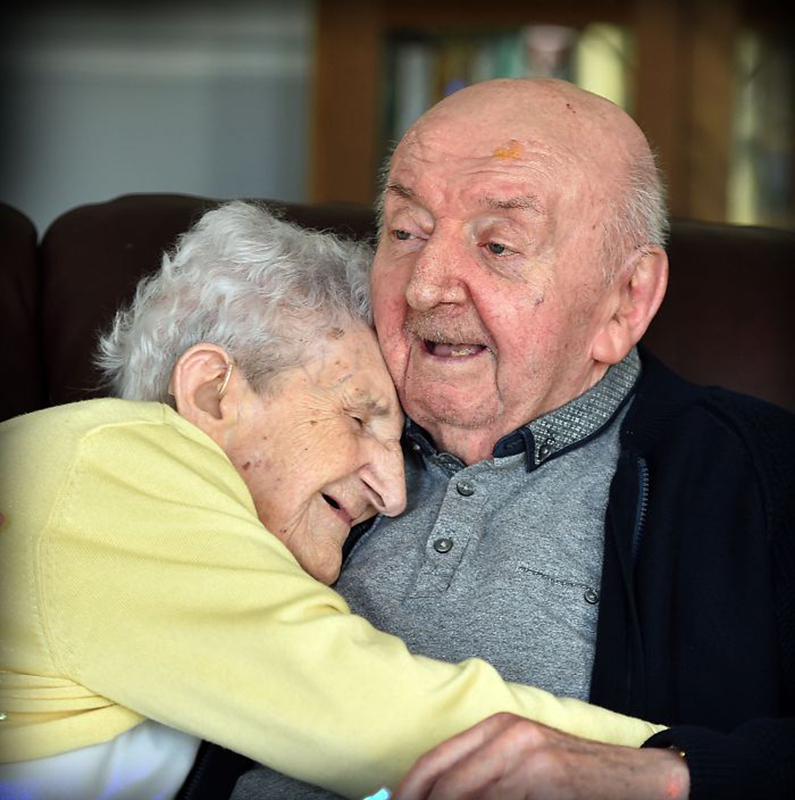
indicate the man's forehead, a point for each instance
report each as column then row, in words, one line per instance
column 503, row 172
column 481, row 133
column 511, row 155
column 566, row 132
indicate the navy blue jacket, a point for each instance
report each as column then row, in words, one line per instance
column 697, row 611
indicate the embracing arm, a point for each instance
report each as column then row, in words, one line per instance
column 163, row 593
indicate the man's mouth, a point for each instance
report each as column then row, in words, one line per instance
column 339, row 509
column 449, row 350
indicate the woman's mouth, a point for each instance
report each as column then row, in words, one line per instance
column 339, row 510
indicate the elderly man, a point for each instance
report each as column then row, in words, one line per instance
column 577, row 515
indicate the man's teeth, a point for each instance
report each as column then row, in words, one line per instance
column 454, row 350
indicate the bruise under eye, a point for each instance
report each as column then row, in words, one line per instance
column 364, row 406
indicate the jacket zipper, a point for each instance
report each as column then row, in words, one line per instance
column 642, row 509
column 196, row 774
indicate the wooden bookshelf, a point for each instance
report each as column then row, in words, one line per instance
column 683, row 86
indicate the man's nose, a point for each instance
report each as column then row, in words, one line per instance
column 385, row 479
column 436, row 276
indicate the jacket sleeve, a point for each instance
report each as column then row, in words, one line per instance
column 162, row 591
column 755, row 760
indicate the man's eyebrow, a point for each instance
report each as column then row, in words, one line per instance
column 524, row 202
column 402, row 191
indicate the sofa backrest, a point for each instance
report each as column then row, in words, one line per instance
column 20, row 346
column 727, row 318
column 93, row 256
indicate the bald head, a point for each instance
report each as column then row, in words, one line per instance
column 592, row 149
column 546, row 95
column 513, row 114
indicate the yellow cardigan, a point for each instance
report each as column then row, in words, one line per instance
column 137, row 581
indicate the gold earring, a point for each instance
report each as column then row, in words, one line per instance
column 225, row 382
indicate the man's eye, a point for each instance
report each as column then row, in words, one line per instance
column 496, row 248
column 401, row 235
column 358, row 421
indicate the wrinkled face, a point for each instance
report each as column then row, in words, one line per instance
column 487, row 284
column 320, row 450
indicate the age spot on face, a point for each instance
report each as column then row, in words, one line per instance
column 335, row 333
column 512, row 149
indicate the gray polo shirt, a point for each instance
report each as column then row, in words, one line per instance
column 502, row 559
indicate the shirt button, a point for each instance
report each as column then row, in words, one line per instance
column 465, row 488
column 591, row 596
column 448, row 462
column 443, row 545
column 415, row 446
column 546, row 448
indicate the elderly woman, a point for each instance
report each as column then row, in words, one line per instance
column 167, row 555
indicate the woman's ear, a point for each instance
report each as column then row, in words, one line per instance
column 201, row 380
column 634, row 297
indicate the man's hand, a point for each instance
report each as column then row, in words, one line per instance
column 511, row 758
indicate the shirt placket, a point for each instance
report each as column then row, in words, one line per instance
column 456, row 526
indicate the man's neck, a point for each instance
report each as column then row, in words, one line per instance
column 470, row 446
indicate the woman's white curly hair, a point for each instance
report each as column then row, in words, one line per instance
column 245, row 280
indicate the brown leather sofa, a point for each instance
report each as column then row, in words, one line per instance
column 728, row 318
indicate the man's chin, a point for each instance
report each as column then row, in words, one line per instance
column 439, row 410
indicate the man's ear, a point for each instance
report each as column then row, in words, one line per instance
column 634, row 298
column 200, row 382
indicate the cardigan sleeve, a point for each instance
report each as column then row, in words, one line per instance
column 162, row 591
column 755, row 760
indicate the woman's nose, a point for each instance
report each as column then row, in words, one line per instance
column 385, row 480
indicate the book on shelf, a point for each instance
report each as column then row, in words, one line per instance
column 422, row 69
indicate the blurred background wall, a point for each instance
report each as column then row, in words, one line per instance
column 102, row 99
column 301, row 100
